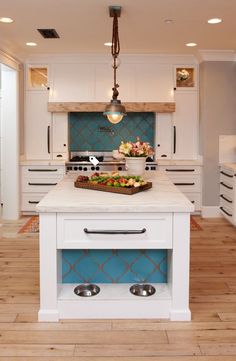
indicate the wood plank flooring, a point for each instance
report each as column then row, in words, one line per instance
column 211, row 336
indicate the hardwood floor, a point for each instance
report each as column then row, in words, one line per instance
column 211, row 336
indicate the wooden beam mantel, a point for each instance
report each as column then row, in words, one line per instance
column 157, row 107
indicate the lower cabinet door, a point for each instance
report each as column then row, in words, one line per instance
column 119, row 231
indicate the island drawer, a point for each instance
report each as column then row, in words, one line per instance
column 116, row 231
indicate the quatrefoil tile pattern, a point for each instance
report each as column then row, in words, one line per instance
column 114, row 266
column 93, row 132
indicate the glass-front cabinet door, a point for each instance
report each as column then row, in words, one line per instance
column 37, row 77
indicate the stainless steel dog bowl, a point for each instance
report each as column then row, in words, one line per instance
column 87, row 290
column 142, row 290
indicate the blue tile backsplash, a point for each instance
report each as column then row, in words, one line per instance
column 114, row 266
column 93, row 132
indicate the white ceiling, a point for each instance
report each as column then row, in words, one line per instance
column 84, row 26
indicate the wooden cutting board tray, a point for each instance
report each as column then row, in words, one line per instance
column 120, row 190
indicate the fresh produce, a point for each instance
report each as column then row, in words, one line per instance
column 113, row 180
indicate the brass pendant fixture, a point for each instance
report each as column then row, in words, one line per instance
column 115, row 110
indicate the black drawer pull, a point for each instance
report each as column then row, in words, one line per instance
column 225, row 185
column 180, row 170
column 227, row 175
column 192, row 201
column 184, row 184
column 42, row 184
column 86, row 230
column 42, row 170
column 33, row 202
column 226, row 199
column 223, row 210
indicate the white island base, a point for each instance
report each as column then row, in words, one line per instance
column 65, row 212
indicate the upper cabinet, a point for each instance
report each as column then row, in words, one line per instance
column 153, row 83
column 72, row 82
column 93, row 82
column 185, row 77
column 37, row 77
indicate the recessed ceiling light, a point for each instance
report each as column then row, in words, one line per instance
column 168, row 21
column 191, row 44
column 108, row 44
column 31, row 44
column 6, row 20
column 214, row 21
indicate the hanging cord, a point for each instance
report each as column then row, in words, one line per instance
column 115, row 50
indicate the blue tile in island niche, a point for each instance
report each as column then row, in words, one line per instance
column 114, row 266
column 92, row 131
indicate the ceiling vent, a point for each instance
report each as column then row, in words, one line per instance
column 48, row 33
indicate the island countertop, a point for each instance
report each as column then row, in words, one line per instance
column 162, row 197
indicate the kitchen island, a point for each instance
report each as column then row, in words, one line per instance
column 155, row 219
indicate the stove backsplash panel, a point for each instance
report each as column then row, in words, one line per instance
column 92, row 131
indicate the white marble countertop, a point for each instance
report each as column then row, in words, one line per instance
column 229, row 165
column 162, row 197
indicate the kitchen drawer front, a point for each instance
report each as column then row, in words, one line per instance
column 227, row 197
column 154, row 231
column 227, row 203
column 227, row 212
column 187, row 184
column 180, row 170
column 42, row 171
column 227, row 176
column 30, row 200
column 42, row 185
column 227, row 188
column 195, row 198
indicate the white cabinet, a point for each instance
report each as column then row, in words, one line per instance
column 60, row 136
column 37, row 126
column 164, row 136
column 185, row 125
column 188, row 179
column 73, row 82
column 93, row 82
column 153, row 83
column 228, row 193
column 36, row 181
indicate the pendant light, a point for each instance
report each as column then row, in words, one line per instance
column 115, row 110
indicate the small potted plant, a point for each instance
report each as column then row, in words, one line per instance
column 135, row 155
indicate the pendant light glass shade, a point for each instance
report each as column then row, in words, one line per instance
column 115, row 111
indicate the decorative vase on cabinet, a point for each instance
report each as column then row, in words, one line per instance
column 135, row 165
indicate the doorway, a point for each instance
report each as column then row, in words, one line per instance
column 9, row 143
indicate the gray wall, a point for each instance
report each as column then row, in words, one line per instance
column 217, row 117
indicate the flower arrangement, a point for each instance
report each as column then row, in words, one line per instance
column 136, row 149
column 182, row 74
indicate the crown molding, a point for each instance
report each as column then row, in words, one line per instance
column 217, row 55
column 8, row 60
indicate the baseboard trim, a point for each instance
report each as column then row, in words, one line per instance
column 211, row 212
